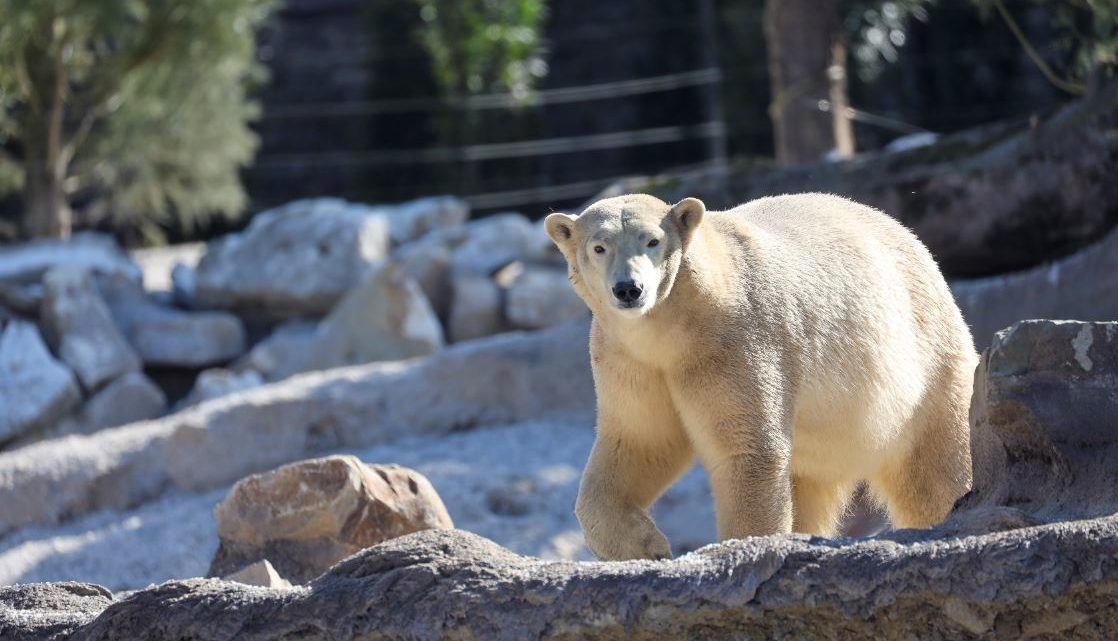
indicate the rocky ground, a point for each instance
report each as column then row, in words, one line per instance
column 449, row 358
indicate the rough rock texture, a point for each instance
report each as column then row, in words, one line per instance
column 216, row 382
column 538, row 297
column 411, row 220
column 261, row 574
column 1053, row 582
column 165, row 336
column 476, row 309
column 297, row 259
column 35, row 389
column 283, row 353
column 49, row 610
column 27, row 262
column 525, row 376
column 1083, row 286
column 1045, row 420
column 77, row 323
column 384, row 318
column 307, row 516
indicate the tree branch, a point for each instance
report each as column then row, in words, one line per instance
column 1073, row 88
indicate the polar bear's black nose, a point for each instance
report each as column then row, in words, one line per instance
column 627, row 291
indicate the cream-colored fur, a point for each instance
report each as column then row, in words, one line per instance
column 796, row 345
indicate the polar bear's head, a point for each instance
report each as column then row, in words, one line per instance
column 624, row 253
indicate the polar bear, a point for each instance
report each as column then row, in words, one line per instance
column 796, row 345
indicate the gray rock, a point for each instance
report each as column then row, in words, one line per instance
column 166, row 336
column 503, row 379
column 298, row 259
column 428, row 262
column 35, row 389
column 537, row 297
column 1082, row 286
column 78, row 325
column 49, row 611
column 130, row 398
column 26, row 263
column 1043, row 428
column 183, row 284
column 22, row 299
column 217, row 382
column 159, row 263
column 384, row 318
column 411, row 220
column 1055, row 581
column 493, row 242
column 307, row 516
column 283, row 353
column 476, row 309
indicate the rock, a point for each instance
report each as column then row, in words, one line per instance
column 26, row 263
column 79, row 326
column 23, row 300
column 384, row 318
column 476, row 309
column 428, row 262
column 502, row 379
column 538, row 297
column 35, row 389
column 1054, row 581
column 130, row 398
column 49, row 611
column 1043, row 420
column 493, row 242
column 261, row 574
column 183, row 285
column 158, row 264
column 1081, row 286
column 283, row 353
column 296, row 260
column 306, row 516
column 217, row 382
column 411, row 220
column 166, row 336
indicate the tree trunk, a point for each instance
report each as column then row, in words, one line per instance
column 47, row 213
column 799, row 35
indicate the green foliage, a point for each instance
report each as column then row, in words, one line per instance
column 479, row 46
column 152, row 98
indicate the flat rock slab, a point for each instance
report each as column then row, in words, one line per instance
column 1053, row 581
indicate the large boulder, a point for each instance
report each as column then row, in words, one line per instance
column 414, row 219
column 504, row 379
column 1043, row 420
column 494, row 241
column 1083, row 286
column 384, row 318
column 79, row 326
column 428, row 262
column 284, row 352
column 35, row 389
column 298, row 259
column 49, row 611
column 26, row 263
column 217, row 382
column 166, row 336
column 307, row 516
column 132, row 397
column 537, row 296
column 1051, row 582
column 476, row 308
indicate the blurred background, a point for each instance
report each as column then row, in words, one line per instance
column 236, row 234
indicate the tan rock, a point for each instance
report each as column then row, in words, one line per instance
column 306, row 516
column 260, row 574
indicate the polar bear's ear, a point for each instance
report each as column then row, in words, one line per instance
column 688, row 215
column 560, row 228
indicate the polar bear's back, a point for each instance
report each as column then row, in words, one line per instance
column 871, row 317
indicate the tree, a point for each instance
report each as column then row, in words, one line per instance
column 134, row 109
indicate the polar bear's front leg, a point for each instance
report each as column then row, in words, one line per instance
column 639, row 451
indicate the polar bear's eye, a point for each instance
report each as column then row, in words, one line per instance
column 598, row 249
column 654, row 242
